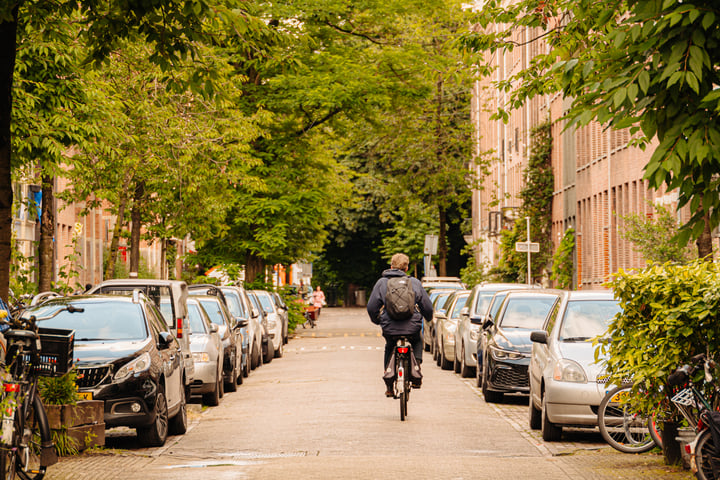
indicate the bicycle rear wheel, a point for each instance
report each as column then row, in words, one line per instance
column 621, row 427
column 704, row 451
column 29, row 454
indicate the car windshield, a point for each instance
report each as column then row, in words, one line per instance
column 110, row 320
column 212, row 308
column 459, row 304
column 233, row 303
column 496, row 303
column 527, row 312
column 586, row 319
column 197, row 325
column 482, row 302
column 440, row 300
column 266, row 302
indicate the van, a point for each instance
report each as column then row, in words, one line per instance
column 171, row 298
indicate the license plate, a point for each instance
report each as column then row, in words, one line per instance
column 620, row 397
column 85, row 395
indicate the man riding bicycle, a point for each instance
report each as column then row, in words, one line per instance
column 393, row 328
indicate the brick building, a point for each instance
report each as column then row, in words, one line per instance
column 598, row 178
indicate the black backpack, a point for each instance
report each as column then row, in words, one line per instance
column 400, row 298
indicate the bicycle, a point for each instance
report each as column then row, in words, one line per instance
column 309, row 319
column 403, row 364
column 697, row 409
column 622, row 427
column 26, row 445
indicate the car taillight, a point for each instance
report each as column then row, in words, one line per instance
column 11, row 387
column 403, row 349
column 179, row 328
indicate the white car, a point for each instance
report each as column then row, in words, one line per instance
column 566, row 385
column 207, row 352
column 275, row 322
column 446, row 326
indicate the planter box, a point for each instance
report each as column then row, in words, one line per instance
column 83, row 422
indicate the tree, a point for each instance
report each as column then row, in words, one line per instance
column 172, row 28
column 645, row 65
column 654, row 237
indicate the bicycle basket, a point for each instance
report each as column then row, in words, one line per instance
column 56, row 351
column 685, row 398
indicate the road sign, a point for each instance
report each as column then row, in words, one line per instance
column 431, row 244
column 523, row 247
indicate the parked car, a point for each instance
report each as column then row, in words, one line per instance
column 507, row 352
column 282, row 310
column 437, row 298
column 445, row 328
column 207, row 350
column 125, row 356
column 467, row 333
column 431, row 283
column 267, row 350
column 565, row 388
column 229, row 331
column 275, row 322
column 241, row 307
column 170, row 296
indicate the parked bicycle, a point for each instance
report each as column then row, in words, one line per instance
column 26, row 446
column 309, row 319
column 698, row 403
column 622, row 427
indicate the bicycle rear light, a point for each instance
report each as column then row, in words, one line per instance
column 403, row 349
column 11, row 387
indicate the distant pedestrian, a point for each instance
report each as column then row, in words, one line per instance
column 318, row 299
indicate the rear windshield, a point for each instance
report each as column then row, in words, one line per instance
column 197, row 324
column 109, row 320
column 160, row 294
column 527, row 312
column 233, row 302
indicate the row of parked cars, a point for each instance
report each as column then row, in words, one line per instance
column 145, row 347
column 515, row 338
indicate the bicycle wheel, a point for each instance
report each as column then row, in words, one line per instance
column 620, row 426
column 704, row 451
column 403, row 405
column 28, row 464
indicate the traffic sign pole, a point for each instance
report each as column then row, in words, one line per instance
column 528, row 251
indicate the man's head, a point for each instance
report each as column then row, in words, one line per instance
column 400, row 261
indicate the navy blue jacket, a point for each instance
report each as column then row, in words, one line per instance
column 379, row 316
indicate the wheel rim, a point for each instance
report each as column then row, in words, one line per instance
column 161, row 417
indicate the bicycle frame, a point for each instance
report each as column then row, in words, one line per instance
column 403, row 350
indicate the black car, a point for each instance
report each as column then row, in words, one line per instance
column 507, row 346
column 126, row 356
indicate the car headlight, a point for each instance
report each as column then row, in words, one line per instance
column 140, row 364
column 569, row 371
column 500, row 354
column 271, row 324
column 474, row 333
column 201, row 357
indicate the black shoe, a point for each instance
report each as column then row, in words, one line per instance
column 389, row 393
column 416, row 383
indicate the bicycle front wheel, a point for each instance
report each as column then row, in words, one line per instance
column 28, row 464
column 622, row 428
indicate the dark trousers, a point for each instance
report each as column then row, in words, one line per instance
column 415, row 340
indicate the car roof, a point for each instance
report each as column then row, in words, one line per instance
column 139, row 281
column 591, row 295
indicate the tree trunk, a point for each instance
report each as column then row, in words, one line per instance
column 46, row 250
column 136, row 219
column 704, row 242
column 670, row 446
column 115, row 240
column 8, row 40
column 442, row 243
column 254, row 268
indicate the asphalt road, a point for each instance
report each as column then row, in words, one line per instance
column 320, row 412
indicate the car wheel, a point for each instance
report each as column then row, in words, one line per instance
column 230, row 385
column 465, row 371
column 550, row 431
column 256, row 356
column 246, row 367
column 456, row 362
column 534, row 415
column 445, row 364
column 269, row 352
column 179, row 423
column 240, row 376
column 212, row 399
column 279, row 351
column 490, row 396
column 478, row 374
column 156, row 434
column 221, row 384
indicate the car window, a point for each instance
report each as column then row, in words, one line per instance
column 586, row 319
column 482, row 302
column 266, row 302
column 552, row 318
column 155, row 320
column 197, row 323
column 156, row 293
column 440, row 300
column 526, row 312
column 233, row 302
column 496, row 303
column 213, row 310
column 110, row 320
column 459, row 304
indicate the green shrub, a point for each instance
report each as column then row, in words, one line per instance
column 59, row 390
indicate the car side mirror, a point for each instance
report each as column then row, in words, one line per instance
column 213, row 328
column 165, row 340
column 241, row 323
column 477, row 319
column 539, row 336
column 255, row 313
column 487, row 323
column 464, row 312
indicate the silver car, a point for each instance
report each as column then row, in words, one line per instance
column 445, row 328
column 207, row 352
column 437, row 298
column 241, row 307
column 468, row 332
column 275, row 321
column 565, row 388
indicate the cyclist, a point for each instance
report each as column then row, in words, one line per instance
column 392, row 329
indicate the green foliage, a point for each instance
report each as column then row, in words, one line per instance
column 473, row 273
column 670, row 313
column 64, row 444
column 59, row 390
column 295, row 307
column 410, row 223
column 563, row 265
column 512, row 265
column 656, row 238
column 69, row 272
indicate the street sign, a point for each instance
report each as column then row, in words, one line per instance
column 523, row 247
column 431, row 244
